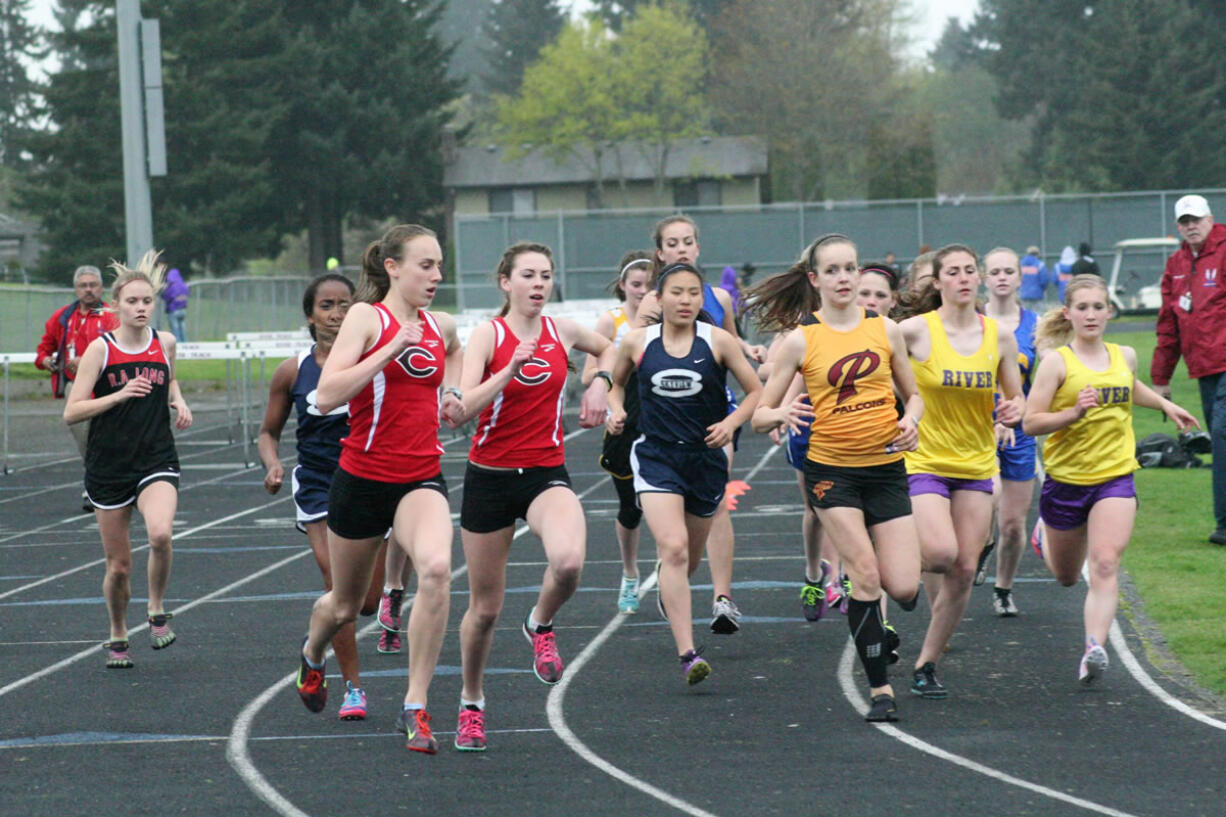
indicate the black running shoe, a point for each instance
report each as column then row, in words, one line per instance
column 981, row 572
column 926, row 685
column 883, row 710
column 892, row 643
column 312, row 683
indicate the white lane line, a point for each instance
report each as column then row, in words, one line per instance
column 178, row 536
column 557, row 720
column 852, row 693
column 237, row 753
column 554, row 706
column 128, row 741
column 1142, row 677
column 93, row 651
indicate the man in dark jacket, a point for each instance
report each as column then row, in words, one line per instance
column 1085, row 263
column 67, row 332
column 1192, row 323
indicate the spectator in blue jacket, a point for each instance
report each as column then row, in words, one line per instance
column 175, row 296
column 1035, row 278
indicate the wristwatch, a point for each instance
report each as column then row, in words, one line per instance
column 604, row 375
column 459, row 395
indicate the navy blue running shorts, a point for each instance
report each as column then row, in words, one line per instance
column 699, row 474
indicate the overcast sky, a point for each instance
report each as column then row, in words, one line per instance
column 930, row 17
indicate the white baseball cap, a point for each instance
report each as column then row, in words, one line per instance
column 1194, row 206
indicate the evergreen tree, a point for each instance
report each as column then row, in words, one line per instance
column 218, row 204
column 1121, row 97
column 19, row 43
column 75, row 183
column 513, row 33
column 366, row 95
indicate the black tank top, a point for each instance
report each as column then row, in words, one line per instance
column 133, row 436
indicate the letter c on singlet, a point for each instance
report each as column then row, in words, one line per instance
column 418, row 362
column 523, row 376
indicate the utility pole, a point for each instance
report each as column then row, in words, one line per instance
column 144, row 142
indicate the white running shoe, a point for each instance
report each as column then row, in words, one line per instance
column 725, row 617
column 1093, row 664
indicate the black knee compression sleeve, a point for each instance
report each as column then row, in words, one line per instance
column 864, row 620
column 628, row 512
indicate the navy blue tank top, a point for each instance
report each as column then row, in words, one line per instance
column 680, row 396
column 319, row 435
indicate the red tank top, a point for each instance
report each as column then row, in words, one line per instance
column 393, row 420
column 522, row 428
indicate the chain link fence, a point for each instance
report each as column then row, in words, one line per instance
column 214, row 307
column 588, row 244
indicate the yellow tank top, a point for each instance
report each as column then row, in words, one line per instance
column 956, row 439
column 1101, row 445
column 621, row 324
column 851, row 386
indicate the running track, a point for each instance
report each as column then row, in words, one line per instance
column 212, row 726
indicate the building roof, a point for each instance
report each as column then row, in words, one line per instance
column 487, row 166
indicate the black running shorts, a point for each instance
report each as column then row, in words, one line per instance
column 880, row 491
column 360, row 508
column 493, row 500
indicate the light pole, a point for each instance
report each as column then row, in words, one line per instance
column 144, row 143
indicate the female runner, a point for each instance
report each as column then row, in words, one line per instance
column 1016, row 451
column 680, row 471
column 125, row 381
column 852, row 360
column 630, row 286
column 515, row 370
column 960, row 358
column 1082, row 398
column 293, row 387
column 676, row 241
column 388, row 362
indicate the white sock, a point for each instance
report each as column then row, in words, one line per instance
column 479, row 703
column 535, row 625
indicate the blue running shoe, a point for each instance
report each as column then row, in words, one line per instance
column 353, row 708
column 628, row 595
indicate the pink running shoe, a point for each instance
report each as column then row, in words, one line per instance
column 546, row 663
column 389, row 610
column 1036, row 538
column 117, row 656
column 389, row 642
column 470, row 733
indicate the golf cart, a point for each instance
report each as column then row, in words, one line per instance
column 1136, row 275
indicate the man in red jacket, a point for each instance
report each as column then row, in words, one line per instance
column 1192, row 323
column 66, row 334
